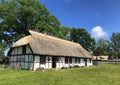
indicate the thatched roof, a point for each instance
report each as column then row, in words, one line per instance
column 100, row 57
column 48, row 45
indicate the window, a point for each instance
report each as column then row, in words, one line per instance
column 24, row 49
column 75, row 60
column 78, row 60
column 57, row 59
column 42, row 59
column 90, row 60
column 66, row 60
column 20, row 59
column 70, row 60
column 48, row 59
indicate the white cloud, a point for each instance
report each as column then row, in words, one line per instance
column 98, row 32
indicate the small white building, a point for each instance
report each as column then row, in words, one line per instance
column 40, row 50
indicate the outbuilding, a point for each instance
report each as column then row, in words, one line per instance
column 39, row 50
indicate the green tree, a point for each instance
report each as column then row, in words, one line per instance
column 18, row 16
column 64, row 32
column 102, row 47
column 82, row 37
column 115, row 44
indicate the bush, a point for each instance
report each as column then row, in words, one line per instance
column 5, row 60
column 15, row 67
column 76, row 66
column 5, row 67
column 40, row 69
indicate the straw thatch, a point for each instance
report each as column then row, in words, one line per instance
column 47, row 45
column 100, row 57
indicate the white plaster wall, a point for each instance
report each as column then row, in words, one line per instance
column 48, row 64
column 82, row 63
column 67, row 65
column 36, row 62
column 36, row 65
column 57, row 65
column 43, row 66
column 89, row 63
column 60, row 63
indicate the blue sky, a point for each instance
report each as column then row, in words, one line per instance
column 99, row 17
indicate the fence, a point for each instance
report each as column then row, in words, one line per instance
column 98, row 62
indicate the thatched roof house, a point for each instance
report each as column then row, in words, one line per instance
column 38, row 44
column 100, row 57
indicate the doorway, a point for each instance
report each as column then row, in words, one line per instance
column 53, row 62
column 85, row 61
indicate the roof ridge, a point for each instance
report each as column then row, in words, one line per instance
column 52, row 37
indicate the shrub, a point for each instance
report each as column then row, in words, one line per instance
column 40, row 69
column 16, row 67
column 76, row 66
column 5, row 67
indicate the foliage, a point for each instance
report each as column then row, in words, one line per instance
column 115, row 44
column 18, row 16
column 102, row 47
column 82, row 37
column 64, row 32
column 5, row 67
column 1, row 55
column 2, row 48
column 101, row 75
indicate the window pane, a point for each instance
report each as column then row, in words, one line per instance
column 42, row 59
column 70, row 60
column 66, row 60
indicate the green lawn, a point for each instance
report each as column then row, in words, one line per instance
column 100, row 75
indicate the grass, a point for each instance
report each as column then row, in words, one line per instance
column 100, row 75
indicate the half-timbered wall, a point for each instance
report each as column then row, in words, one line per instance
column 25, row 61
column 22, row 56
column 60, row 62
column 89, row 62
column 46, row 65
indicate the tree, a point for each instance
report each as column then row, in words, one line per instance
column 18, row 16
column 102, row 47
column 82, row 37
column 64, row 32
column 115, row 44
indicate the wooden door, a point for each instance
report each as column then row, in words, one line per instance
column 85, row 61
column 53, row 62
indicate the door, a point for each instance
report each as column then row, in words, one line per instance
column 85, row 62
column 53, row 62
